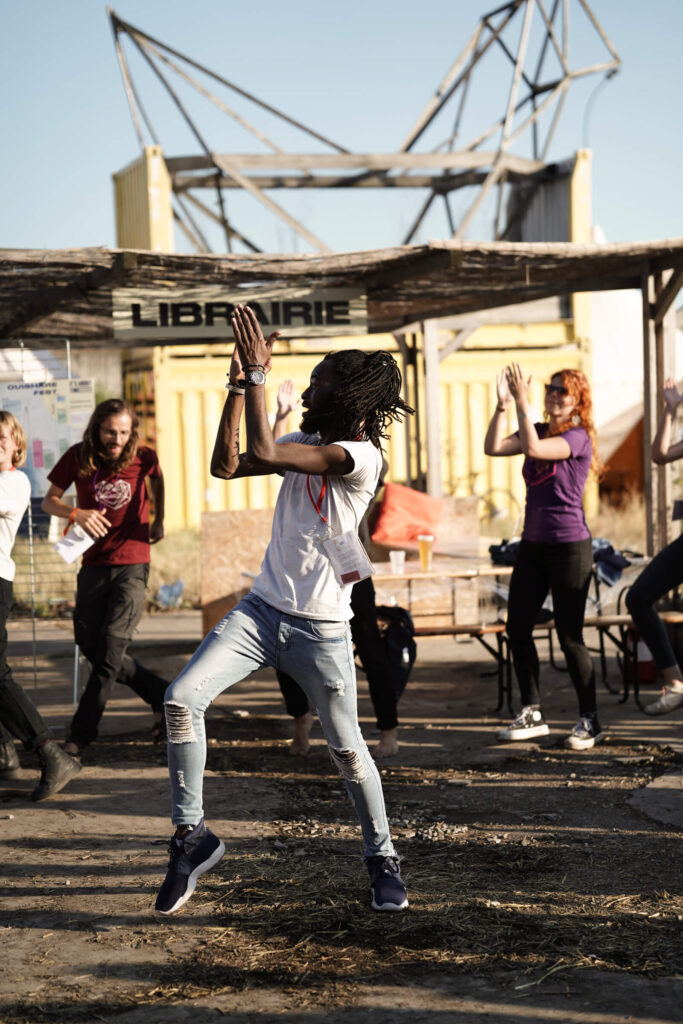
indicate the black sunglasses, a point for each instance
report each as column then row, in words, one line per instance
column 558, row 388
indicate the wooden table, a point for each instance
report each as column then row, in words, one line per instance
column 435, row 598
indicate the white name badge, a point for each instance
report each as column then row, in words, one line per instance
column 348, row 557
column 74, row 543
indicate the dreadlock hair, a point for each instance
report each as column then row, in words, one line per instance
column 578, row 387
column 371, row 397
column 18, row 436
column 91, row 455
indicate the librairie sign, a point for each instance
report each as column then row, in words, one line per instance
column 197, row 313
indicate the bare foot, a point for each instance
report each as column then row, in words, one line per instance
column 302, row 730
column 388, row 744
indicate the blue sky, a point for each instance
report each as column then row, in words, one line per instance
column 359, row 72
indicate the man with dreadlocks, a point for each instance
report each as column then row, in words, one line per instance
column 296, row 617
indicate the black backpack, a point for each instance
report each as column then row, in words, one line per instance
column 398, row 636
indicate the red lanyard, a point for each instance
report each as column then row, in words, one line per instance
column 317, row 506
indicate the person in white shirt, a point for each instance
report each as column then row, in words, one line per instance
column 296, row 616
column 19, row 716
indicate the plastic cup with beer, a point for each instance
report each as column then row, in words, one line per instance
column 425, row 543
column 398, row 562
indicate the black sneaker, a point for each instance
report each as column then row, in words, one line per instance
column 388, row 890
column 528, row 723
column 197, row 852
column 585, row 734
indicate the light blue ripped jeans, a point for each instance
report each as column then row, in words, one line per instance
column 319, row 656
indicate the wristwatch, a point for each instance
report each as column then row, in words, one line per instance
column 254, row 376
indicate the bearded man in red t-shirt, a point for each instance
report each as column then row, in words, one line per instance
column 110, row 471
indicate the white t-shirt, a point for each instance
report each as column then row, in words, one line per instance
column 15, row 491
column 296, row 575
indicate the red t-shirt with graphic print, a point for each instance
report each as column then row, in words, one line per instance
column 121, row 497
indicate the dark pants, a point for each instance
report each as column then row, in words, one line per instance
column 19, row 716
column 109, row 603
column 664, row 572
column 565, row 571
column 373, row 657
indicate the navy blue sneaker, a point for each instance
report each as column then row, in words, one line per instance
column 197, row 852
column 388, row 890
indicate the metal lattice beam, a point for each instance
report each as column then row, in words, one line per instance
column 542, row 73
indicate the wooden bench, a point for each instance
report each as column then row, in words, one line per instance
column 616, row 628
column 619, row 629
column 483, row 632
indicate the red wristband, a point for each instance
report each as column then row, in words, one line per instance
column 71, row 519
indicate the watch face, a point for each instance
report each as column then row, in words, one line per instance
column 255, row 377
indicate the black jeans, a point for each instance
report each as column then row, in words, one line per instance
column 373, row 657
column 565, row 571
column 664, row 572
column 109, row 603
column 18, row 714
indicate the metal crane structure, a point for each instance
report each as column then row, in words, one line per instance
column 533, row 37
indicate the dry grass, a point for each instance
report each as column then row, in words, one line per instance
column 519, row 891
column 176, row 557
column 623, row 527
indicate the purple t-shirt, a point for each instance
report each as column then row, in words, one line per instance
column 554, row 491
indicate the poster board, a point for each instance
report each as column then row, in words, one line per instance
column 54, row 414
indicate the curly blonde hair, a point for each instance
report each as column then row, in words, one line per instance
column 18, row 436
column 576, row 383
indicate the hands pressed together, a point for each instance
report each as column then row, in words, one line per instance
column 512, row 385
column 251, row 348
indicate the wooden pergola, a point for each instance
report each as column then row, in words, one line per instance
column 51, row 295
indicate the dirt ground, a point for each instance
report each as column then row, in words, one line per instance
column 545, row 884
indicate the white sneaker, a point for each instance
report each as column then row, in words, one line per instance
column 528, row 723
column 669, row 700
column 585, row 734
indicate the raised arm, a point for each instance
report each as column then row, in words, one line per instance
column 262, row 451
column 225, row 457
column 286, row 403
column 662, row 450
column 495, row 442
column 550, row 449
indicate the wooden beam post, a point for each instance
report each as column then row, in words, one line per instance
column 649, row 406
column 430, row 336
column 664, row 334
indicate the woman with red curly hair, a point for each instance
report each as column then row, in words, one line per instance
column 556, row 552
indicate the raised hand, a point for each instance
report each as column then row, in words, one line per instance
column 517, row 383
column 253, row 349
column 502, row 389
column 286, row 402
column 670, row 393
column 236, row 370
